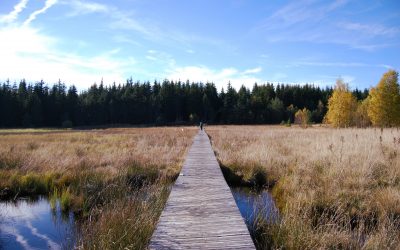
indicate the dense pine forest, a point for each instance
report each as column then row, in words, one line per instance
column 158, row 103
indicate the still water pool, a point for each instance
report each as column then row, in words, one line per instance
column 33, row 224
column 252, row 203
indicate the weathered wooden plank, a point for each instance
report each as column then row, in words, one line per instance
column 201, row 212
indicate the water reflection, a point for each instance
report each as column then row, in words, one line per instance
column 32, row 224
column 253, row 203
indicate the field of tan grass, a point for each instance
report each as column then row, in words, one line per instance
column 335, row 188
column 115, row 180
column 109, row 150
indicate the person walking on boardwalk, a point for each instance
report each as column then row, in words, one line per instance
column 201, row 125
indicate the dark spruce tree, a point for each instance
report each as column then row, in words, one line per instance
column 157, row 103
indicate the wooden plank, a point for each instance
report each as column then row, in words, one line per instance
column 201, row 212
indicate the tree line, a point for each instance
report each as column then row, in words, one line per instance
column 159, row 103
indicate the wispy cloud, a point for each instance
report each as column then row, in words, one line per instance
column 124, row 21
column 18, row 236
column 148, row 29
column 297, row 12
column 316, row 22
column 337, row 64
column 220, row 77
column 84, row 7
column 118, row 19
column 50, row 243
column 371, row 30
column 43, row 10
column 13, row 15
column 162, row 58
column 252, row 71
column 126, row 39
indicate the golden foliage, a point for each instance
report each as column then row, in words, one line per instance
column 384, row 108
column 341, row 106
column 361, row 118
column 302, row 117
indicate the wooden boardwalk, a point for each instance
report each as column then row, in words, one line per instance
column 201, row 212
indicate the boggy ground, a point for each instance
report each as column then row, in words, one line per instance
column 335, row 188
column 115, row 180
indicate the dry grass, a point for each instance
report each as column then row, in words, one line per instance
column 107, row 150
column 127, row 223
column 335, row 188
column 35, row 163
column 117, row 180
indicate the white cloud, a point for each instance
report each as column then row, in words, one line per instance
column 123, row 21
column 149, row 29
column 252, row 71
column 13, row 15
column 386, row 66
column 23, row 40
column 316, row 22
column 49, row 242
column 219, row 77
column 18, row 236
column 34, row 56
column 126, row 39
column 161, row 58
column 84, row 7
column 43, row 10
column 300, row 11
column 336, row 64
column 117, row 19
column 19, row 216
column 372, row 47
column 371, row 30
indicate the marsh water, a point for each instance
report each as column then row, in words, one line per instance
column 253, row 203
column 33, row 224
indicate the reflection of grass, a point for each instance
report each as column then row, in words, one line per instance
column 112, row 178
column 53, row 199
column 334, row 188
column 65, row 200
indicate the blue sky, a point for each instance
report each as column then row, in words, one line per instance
column 240, row 41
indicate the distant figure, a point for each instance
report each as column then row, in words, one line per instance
column 201, row 125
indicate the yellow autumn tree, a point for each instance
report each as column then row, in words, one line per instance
column 341, row 106
column 384, row 104
column 361, row 118
column 302, row 117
